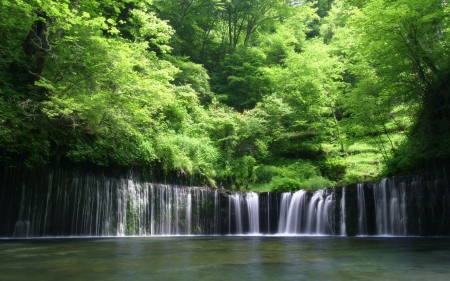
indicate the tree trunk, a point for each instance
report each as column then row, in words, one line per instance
column 36, row 49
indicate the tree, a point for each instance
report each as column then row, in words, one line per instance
column 240, row 80
column 193, row 21
column 404, row 44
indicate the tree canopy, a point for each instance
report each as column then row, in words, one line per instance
column 261, row 94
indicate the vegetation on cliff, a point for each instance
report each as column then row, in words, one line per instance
column 260, row 94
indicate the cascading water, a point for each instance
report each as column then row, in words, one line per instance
column 55, row 202
column 390, row 208
column 362, row 218
column 189, row 213
column 100, row 206
column 302, row 215
column 243, row 213
column 252, row 201
column 343, row 225
column 216, row 225
column 314, row 207
column 284, row 210
column 235, row 214
column 295, row 213
column 320, row 214
column 268, row 212
column 21, row 229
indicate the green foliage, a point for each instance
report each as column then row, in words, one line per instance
column 334, row 168
column 240, row 81
column 287, row 185
column 403, row 46
column 194, row 76
column 298, row 175
column 186, row 155
column 264, row 174
column 300, row 96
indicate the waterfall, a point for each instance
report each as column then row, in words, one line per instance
column 380, row 196
column 326, row 215
column 21, row 229
column 99, row 206
column 302, row 215
column 312, row 213
column 236, row 216
column 362, row 218
column 216, row 227
column 189, row 213
column 284, row 209
column 268, row 212
column 390, row 208
column 56, row 202
column 343, row 225
column 252, row 201
column 320, row 214
column 243, row 213
column 295, row 213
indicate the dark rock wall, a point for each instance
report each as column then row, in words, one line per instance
column 40, row 195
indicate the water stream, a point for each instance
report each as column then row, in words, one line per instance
column 59, row 203
column 362, row 218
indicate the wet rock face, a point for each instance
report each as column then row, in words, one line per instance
column 57, row 202
column 351, row 210
column 417, row 205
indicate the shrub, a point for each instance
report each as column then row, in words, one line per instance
column 334, row 169
column 286, row 184
column 264, row 174
column 318, row 182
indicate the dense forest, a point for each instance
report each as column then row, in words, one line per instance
column 247, row 94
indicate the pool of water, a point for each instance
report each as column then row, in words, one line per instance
column 226, row 258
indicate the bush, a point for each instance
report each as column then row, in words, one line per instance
column 353, row 178
column 286, row 185
column 264, row 174
column 334, row 169
column 318, row 182
column 299, row 175
column 300, row 170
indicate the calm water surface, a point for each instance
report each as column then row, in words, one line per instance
column 226, row 258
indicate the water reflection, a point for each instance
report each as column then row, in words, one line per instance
column 226, row 258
